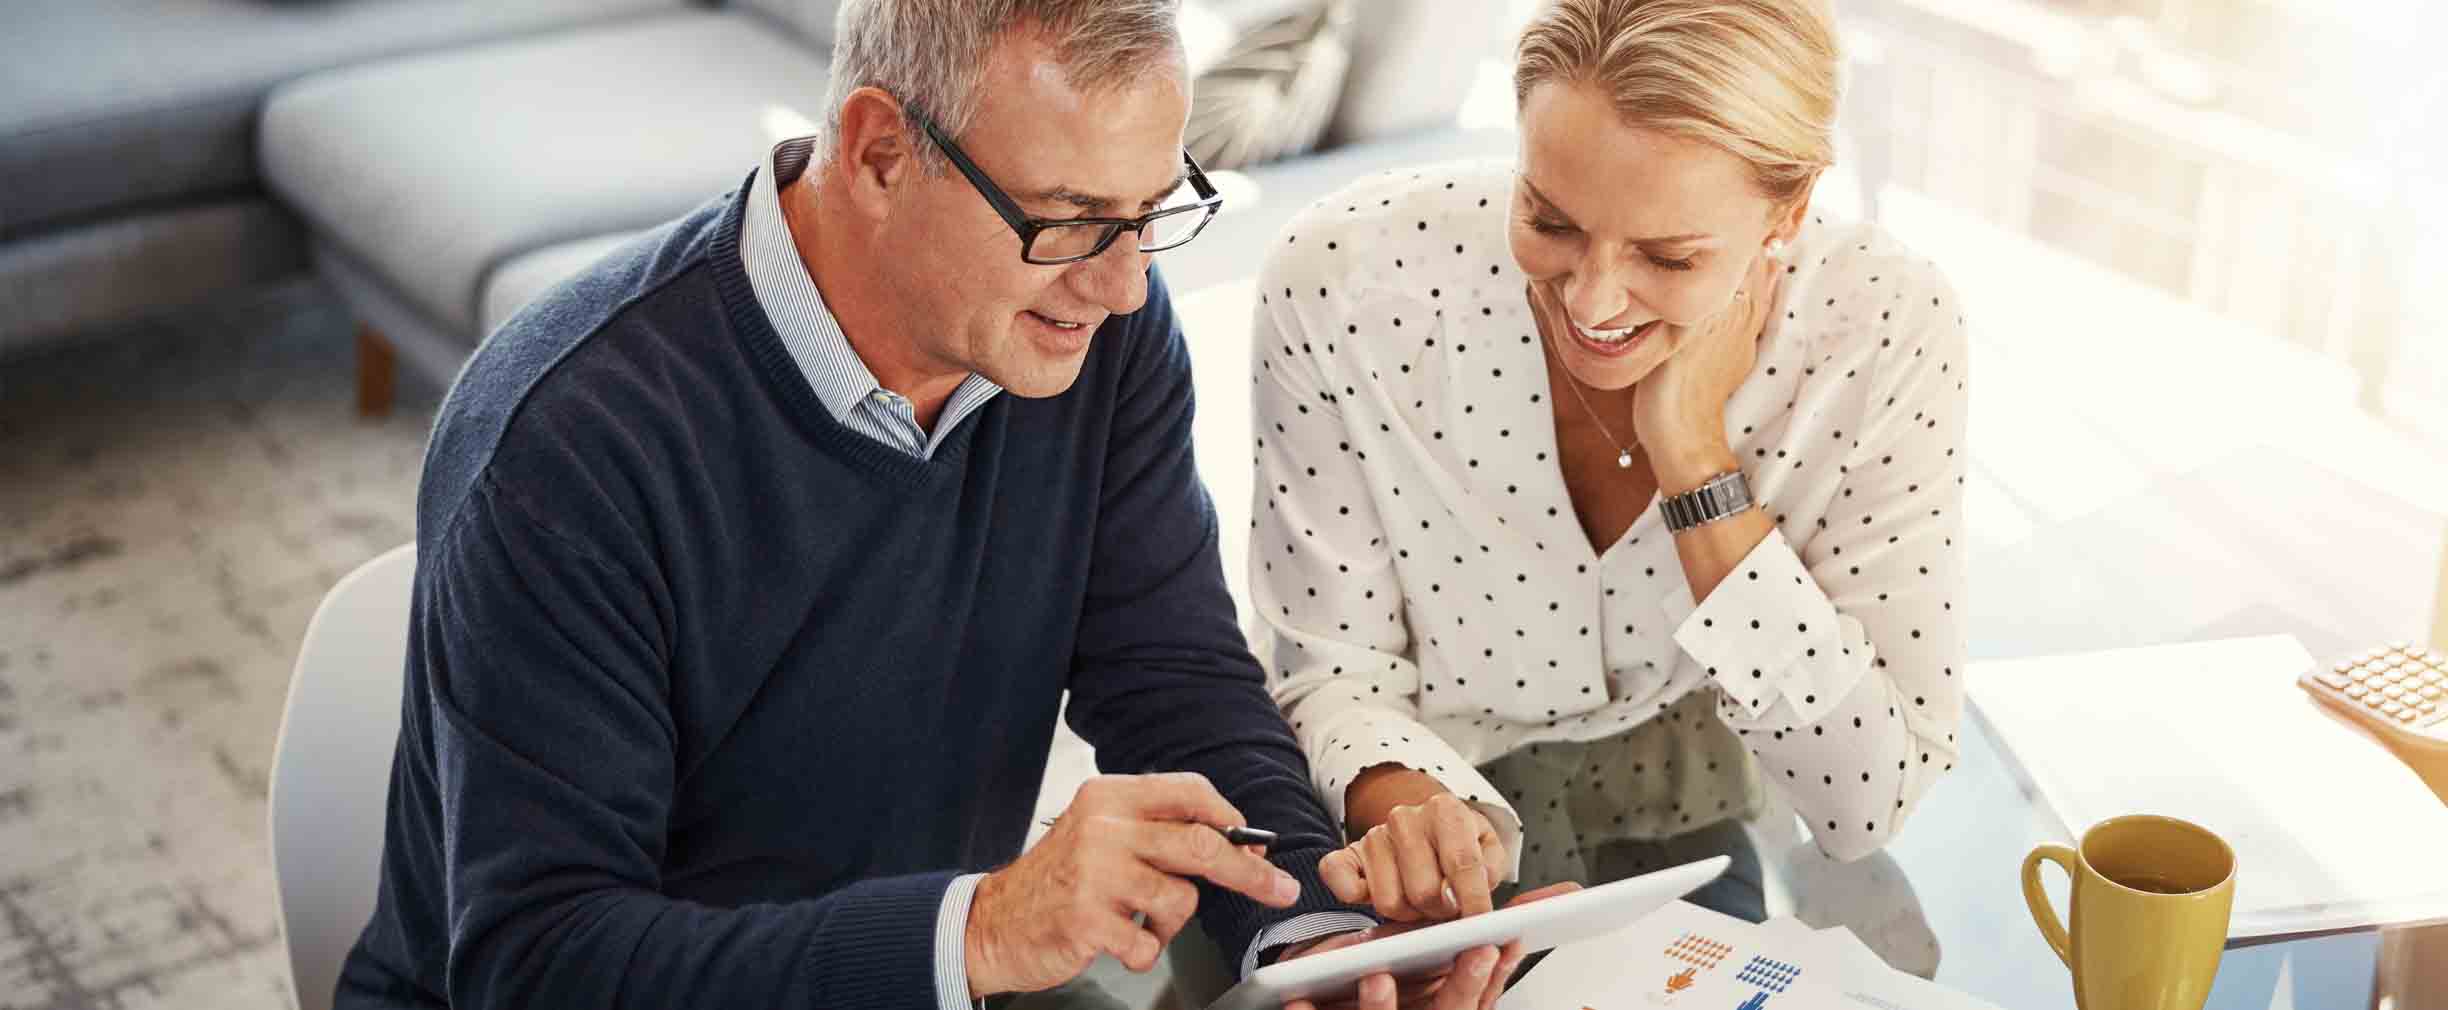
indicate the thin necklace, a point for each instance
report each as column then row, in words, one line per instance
column 1623, row 456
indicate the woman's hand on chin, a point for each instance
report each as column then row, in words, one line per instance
column 1679, row 409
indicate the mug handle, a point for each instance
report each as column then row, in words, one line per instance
column 2044, row 916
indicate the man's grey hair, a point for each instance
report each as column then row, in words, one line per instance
column 929, row 54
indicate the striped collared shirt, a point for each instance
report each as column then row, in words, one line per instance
column 841, row 380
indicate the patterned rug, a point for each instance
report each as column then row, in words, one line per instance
column 174, row 501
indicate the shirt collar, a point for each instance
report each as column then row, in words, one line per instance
column 784, row 289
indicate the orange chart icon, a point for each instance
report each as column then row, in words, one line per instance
column 1678, row 983
column 1698, row 951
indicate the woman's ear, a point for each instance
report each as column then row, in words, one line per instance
column 1787, row 217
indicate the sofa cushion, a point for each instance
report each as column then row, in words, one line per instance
column 107, row 105
column 811, row 20
column 88, row 280
column 433, row 170
column 520, row 280
column 1270, row 92
column 1412, row 64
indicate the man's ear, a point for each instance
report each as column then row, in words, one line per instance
column 873, row 150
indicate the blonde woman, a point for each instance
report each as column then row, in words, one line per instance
column 1600, row 492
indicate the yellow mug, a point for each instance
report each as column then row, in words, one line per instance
column 2150, row 902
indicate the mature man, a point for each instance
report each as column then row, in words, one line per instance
column 753, row 562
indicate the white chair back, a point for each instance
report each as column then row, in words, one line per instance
column 331, row 769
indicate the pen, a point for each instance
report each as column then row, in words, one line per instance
column 1259, row 837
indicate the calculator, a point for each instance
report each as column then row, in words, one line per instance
column 2398, row 691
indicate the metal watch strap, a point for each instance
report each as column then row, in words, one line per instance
column 1725, row 495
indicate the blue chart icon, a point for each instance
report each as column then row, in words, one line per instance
column 1772, row 976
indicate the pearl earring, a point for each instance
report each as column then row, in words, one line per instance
column 1776, row 248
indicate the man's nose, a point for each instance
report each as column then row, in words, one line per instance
column 1116, row 279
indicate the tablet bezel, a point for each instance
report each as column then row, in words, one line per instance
column 1540, row 925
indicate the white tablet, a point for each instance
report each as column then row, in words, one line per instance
column 1539, row 925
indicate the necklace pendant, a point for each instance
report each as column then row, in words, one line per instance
column 1623, row 459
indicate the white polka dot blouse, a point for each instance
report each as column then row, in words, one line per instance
column 1424, row 595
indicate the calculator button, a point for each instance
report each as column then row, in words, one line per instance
column 2335, row 679
column 2408, row 716
column 2391, row 708
column 2393, row 691
column 2357, row 690
column 2432, row 691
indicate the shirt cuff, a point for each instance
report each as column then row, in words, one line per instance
column 952, row 943
column 1762, row 631
column 1300, row 929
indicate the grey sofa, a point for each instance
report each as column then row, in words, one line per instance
column 440, row 162
column 128, row 174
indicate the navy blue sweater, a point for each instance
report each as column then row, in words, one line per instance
column 708, row 697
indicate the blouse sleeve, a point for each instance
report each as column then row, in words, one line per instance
column 1836, row 658
column 1328, row 600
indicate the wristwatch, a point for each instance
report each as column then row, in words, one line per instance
column 1726, row 495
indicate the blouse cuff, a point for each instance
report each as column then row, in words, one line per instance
column 1370, row 742
column 1767, row 632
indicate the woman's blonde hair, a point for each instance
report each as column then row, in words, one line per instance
column 1757, row 78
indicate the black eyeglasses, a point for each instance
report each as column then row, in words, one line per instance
column 1050, row 241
